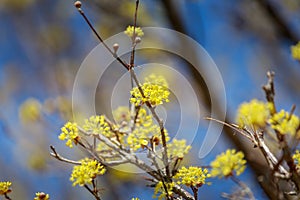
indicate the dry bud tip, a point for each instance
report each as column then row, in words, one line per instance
column 77, row 4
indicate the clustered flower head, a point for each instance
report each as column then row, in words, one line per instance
column 86, row 172
column 178, row 148
column 41, row 196
column 295, row 50
column 227, row 163
column 121, row 114
column 141, row 136
column 97, row 125
column 155, row 91
column 5, row 187
column 159, row 191
column 192, row 176
column 70, row 133
column 130, row 31
column 285, row 123
column 296, row 158
column 254, row 113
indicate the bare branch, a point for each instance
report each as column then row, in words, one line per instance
column 59, row 157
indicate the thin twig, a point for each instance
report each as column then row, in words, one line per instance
column 92, row 192
column 101, row 40
column 134, row 36
column 195, row 191
column 7, row 197
column 244, row 186
column 59, row 157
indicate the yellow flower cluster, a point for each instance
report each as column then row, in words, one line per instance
column 5, row 187
column 141, row 136
column 41, row 196
column 30, row 111
column 135, row 198
column 121, row 115
column 144, row 131
column 178, row 148
column 86, row 172
column 97, row 125
column 254, row 113
column 155, row 90
column 296, row 158
column 143, row 118
column 226, row 163
column 284, row 123
column 130, row 30
column 192, row 176
column 159, row 191
column 70, row 133
column 295, row 50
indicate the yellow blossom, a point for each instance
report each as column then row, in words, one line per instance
column 30, row 110
column 143, row 118
column 295, row 50
column 178, row 148
column 5, row 187
column 41, row 196
column 226, row 163
column 284, row 123
column 141, row 136
column 296, row 158
column 159, row 191
column 86, row 172
column 122, row 114
column 254, row 113
column 135, row 198
column 70, row 133
column 97, row 125
column 192, row 176
column 130, row 30
column 155, row 91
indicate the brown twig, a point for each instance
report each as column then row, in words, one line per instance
column 7, row 197
column 59, row 157
column 244, row 186
column 100, row 38
column 95, row 194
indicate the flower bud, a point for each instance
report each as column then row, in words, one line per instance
column 116, row 47
column 137, row 40
column 77, row 4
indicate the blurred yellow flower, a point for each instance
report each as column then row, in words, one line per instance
column 226, row 163
column 130, row 30
column 159, row 191
column 254, row 113
column 141, row 136
column 296, row 158
column 122, row 114
column 284, row 123
column 178, row 148
column 30, row 110
column 41, row 196
column 17, row 5
column 5, row 187
column 295, row 50
column 97, row 125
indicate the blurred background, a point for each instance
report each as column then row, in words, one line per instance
column 42, row 44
